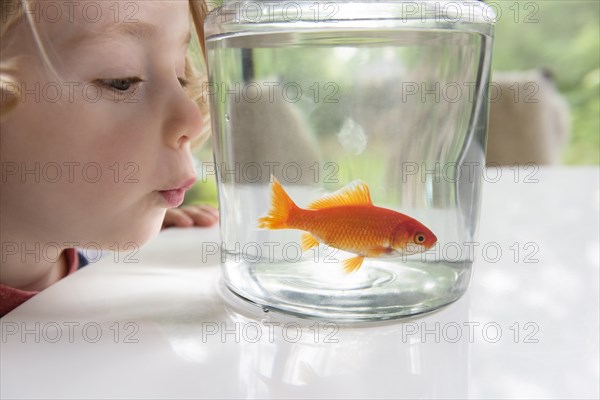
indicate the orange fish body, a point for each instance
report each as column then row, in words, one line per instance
column 348, row 220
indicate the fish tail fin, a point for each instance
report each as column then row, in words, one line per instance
column 281, row 207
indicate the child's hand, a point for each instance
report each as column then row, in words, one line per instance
column 200, row 215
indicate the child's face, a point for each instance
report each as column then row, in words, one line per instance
column 98, row 153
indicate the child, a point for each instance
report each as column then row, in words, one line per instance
column 100, row 106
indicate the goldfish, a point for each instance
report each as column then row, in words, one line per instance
column 348, row 220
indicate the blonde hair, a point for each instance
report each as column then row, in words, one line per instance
column 198, row 80
column 195, row 74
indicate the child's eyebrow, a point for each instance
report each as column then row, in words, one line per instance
column 138, row 30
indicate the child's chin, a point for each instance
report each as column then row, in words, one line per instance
column 149, row 234
column 140, row 234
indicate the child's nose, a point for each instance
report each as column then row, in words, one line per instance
column 184, row 123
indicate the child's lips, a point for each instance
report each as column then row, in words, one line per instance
column 174, row 197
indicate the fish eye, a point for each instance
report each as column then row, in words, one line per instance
column 419, row 238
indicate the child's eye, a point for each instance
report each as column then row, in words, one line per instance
column 120, row 84
column 183, row 82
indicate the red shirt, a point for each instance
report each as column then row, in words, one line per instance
column 11, row 298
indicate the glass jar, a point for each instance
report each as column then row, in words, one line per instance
column 313, row 97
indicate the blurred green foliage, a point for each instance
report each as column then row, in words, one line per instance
column 564, row 36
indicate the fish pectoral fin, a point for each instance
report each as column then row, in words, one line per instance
column 379, row 251
column 352, row 264
column 308, row 241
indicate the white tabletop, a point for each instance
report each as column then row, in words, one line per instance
column 163, row 326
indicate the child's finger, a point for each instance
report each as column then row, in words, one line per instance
column 201, row 216
column 177, row 217
column 210, row 209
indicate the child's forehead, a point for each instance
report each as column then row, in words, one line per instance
column 91, row 19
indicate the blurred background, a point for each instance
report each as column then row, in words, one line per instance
column 566, row 41
column 547, row 58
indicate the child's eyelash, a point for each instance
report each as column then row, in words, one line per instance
column 183, row 82
column 125, row 84
column 120, row 84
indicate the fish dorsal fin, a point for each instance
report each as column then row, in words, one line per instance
column 354, row 193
